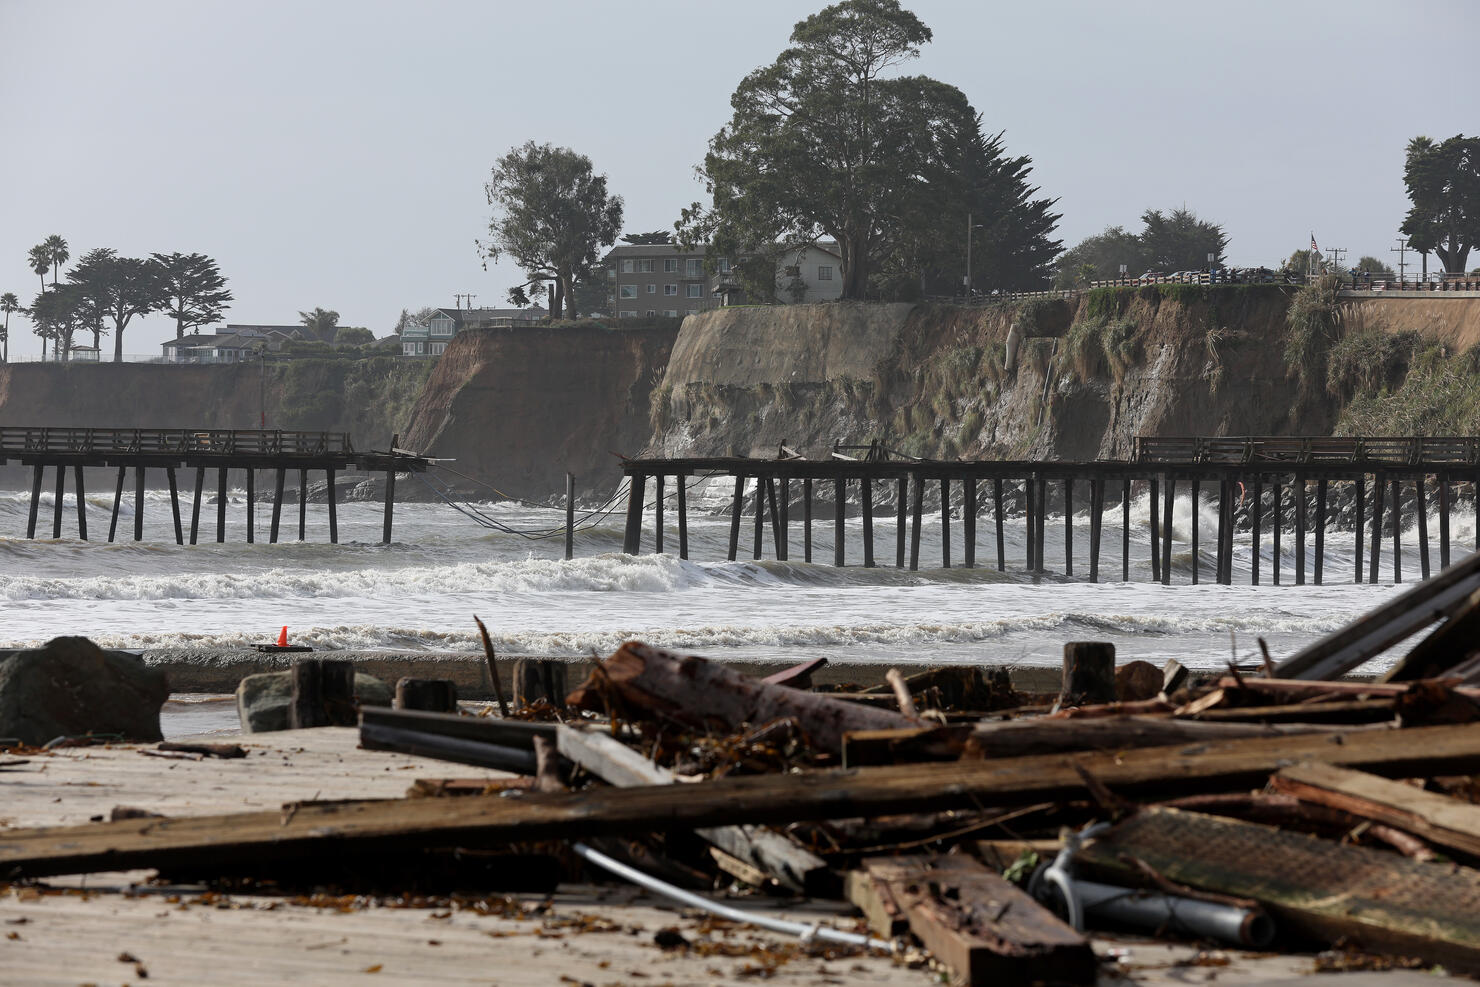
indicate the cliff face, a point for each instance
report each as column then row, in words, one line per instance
column 517, row 408
column 1089, row 376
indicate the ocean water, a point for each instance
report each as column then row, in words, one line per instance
column 421, row 592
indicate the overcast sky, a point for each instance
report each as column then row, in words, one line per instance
column 334, row 153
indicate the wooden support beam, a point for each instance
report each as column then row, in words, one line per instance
column 117, row 502
column 968, row 522
column 139, row 474
column 1089, row 674
column 1168, row 502
column 770, row 852
column 1320, row 560
column 945, row 523
column 175, row 504
column 1256, row 515
column 200, row 481
column 840, row 515
column 1125, row 530
column 81, row 501
column 981, row 926
column 807, row 519
column 323, row 694
column 38, row 474
column 737, row 504
column 570, row 514
column 1030, row 519
column 778, row 536
column 658, row 514
column 901, row 524
column 1359, row 516
column 221, row 503
column 429, row 695
column 1443, row 484
column 59, row 503
column 251, row 505
column 1299, row 505
column 1319, row 888
column 683, row 516
column 1096, row 509
column 302, row 505
column 1439, row 819
column 1379, row 486
column 1276, row 527
column 1421, row 507
column 758, row 533
column 306, row 829
column 917, row 507
column 390, row 506
column 1040, row 526
column 783, row 508
column 632, row 536
column 997, row 519
column 866, row 496
column 333, row 507
column 1153, row 503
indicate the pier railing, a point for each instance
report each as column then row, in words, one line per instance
column 19, row 441
column 1303, row 450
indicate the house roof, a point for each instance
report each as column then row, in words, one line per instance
column 654, row 250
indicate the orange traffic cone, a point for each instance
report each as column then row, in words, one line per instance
column 283, row 638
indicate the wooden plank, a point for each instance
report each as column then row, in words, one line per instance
column 981, row 926
column 484, row 729
column 1044, row 735
column 1441, row 820
column 884, row 916
column 1375, row 899
column 761, row 849
column 1446, row 646
column 762, row 799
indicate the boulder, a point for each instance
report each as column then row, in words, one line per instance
column 1136, row 681
column 262, row 700
column 71, row 687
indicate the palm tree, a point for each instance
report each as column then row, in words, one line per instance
column 8, row 304
column 56, row 249
column 39, row 257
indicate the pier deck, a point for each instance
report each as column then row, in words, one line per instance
column 1238, row 467
column 171, row 449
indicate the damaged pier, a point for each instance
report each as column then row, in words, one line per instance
column 218, row 450
column 1378, row 471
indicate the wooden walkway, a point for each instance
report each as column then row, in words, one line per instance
column 1239, row 468
column 170, row 449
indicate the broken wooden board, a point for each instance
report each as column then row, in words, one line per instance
column 638, row 680
column 1380, row 901
column 980, row 925
column 309, row 828
column 1445, row 647
column 1440, row 819
column 761, row 849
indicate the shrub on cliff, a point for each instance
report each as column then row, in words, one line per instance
column 1314, row 322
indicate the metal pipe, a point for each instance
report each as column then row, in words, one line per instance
column 798, row 929
column 1154, row 910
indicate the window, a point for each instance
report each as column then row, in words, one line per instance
column 626, row 315
column 439, row 348
column 627, row 291
column 723, row 264
column 671, row 313
column 670, row 289
column 651, row 313
column 626, row 267
column 793, row 271
column 670, row 265
column 695, row 290
column 824, row 272
column 652, row 289
column 645, row 265
column 694, row 267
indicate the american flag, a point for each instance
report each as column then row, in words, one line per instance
column 1314, row 249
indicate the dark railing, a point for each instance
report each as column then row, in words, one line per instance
column 1398, row 450
column 19, row 440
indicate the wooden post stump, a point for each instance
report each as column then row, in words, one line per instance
column 323, row 694
column 540, row 678
column 431, row 695
column 1089, row 673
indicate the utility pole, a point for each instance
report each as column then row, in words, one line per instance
column 1336, row 255
column 1402, row 251
column 458, row 300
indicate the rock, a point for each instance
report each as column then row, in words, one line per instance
column 71, row 687
column 262, row 700
column 1137, row 680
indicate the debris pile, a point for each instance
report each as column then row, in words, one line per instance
column 1263, row 809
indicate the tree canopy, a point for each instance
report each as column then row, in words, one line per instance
column 1176, row 241
column 822, row 144
column 9, row 304
column 194, row 289
column 1371, row 265
column 321, row 324
column 1443, row 182
column 116, row 288
column 657, row 237
column 552, row 215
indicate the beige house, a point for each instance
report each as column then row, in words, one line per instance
column 664, row 280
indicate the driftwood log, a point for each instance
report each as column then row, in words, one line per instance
column 642, row 682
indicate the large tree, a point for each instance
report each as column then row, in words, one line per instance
column 1176, row 241
column 63, row 312
column 655, row 238
column 56, row 250
column 39, row 259
column 1443, row 182
column 117, row 288
column 552, row 215
column 9, row 304
column 820, row 144
column 194, row 288
column 321, row 324
column 1100, row 256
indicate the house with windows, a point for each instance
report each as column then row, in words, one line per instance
column 430, row 338
column 234, row 344
column 662, row 279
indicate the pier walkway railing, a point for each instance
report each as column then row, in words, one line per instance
column 142, row 449
column 1239, row 467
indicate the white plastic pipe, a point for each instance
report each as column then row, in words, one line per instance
column 798, row 929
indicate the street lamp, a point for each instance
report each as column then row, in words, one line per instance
column 969, row 227
column 1211, row 274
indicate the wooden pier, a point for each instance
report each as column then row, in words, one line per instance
column 1239, row 469
column 204, row 450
